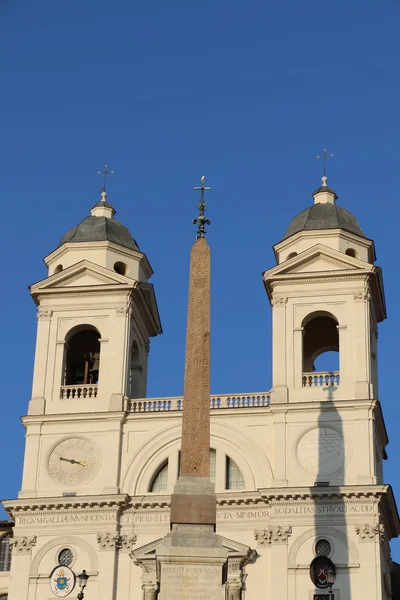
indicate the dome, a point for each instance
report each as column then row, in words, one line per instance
column 324, row 215
column 100, row 228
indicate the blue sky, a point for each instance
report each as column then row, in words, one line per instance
column 247, row 93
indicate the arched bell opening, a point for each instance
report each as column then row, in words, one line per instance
column 82, row 360
column 136, row 372
column 320, row 350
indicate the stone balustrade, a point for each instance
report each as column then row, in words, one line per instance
column 145, row 405
column 321, row 379
column 78, row 391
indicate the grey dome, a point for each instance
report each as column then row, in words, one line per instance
column 324, row 216
column 100, row 229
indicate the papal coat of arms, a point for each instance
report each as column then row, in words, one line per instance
column 62, row 581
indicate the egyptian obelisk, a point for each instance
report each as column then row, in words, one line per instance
column 191, row 556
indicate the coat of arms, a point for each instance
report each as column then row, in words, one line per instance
column 62, row 581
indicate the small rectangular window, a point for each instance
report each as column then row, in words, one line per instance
column 324, row 597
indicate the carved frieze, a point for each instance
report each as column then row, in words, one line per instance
column 23, row 545
column 369, row 533
column 273, row 535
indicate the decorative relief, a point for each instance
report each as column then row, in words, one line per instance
column 273, row 535
column 23, row 545
column 279, row 301
column 44, row 315
column 108, row 541
column 321, row 451
column 368, row 533
column 365, row 295
column 127, row 541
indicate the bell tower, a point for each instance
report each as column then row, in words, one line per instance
column 96, row 314
column 327, row 296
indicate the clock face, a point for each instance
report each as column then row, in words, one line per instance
column 73, row 460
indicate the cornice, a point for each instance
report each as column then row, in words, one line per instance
column 65, row 503
column 74, row 417
column 348, row 492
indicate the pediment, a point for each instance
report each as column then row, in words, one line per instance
column 319, row 258
column 235, row 549
column 82, row 274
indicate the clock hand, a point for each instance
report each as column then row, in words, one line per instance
column 74, row 462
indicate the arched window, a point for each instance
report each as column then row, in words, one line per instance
column 234, row 479
column 135, row 372
column 58, row 269
column 291, row 255
column 351, row 252
column 323, row 548
column 160, row 480
column 83, row 357
column 320, row 343
column 5, row 553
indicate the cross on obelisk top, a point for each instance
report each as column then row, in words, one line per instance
column 201, row 220
column 325, row 156
column 106, row 172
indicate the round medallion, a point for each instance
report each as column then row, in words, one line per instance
column 321, row 451
column 73, row 460
column 62, row 581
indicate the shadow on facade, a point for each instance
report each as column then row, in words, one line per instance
column 331, row 549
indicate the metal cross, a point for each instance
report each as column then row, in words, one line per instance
column 105, row 173
column 325, row 156
column 201, row 220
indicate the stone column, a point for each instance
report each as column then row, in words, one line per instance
column 276, row 538
column 37, row 402
column 108, row 544
column 20, row 566
column 235, row 579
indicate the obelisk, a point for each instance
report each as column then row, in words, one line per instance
column 191, row 556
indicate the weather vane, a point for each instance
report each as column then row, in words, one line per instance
column 105, row 173
column 201, row 220
column 325, row 156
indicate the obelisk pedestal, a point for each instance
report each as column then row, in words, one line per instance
column 191, row 557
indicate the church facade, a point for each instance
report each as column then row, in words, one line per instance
column 302, row 506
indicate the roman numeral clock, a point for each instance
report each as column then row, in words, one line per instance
column 73, row 460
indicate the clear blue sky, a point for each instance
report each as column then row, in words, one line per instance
column 247, row 93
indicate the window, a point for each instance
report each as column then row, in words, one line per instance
column 351, row 252
column 324, row 597
column 322, row 548
column 58, row 269
column 291, row 255
column 120, row 268
column 3, row 596
column 160, row 480
column 83, row 357
column 234, row 478
column 320, row 337
column 5, row 553
column 65, row 557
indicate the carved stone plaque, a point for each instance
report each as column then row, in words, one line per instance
column 190, row 582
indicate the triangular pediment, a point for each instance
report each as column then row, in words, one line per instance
column 82, row 274
column 235, row 549
column 318, row 259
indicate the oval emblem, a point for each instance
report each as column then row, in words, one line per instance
column 62, row 581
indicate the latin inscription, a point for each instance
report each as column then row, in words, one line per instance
column 64, row 519
column 191, row 582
